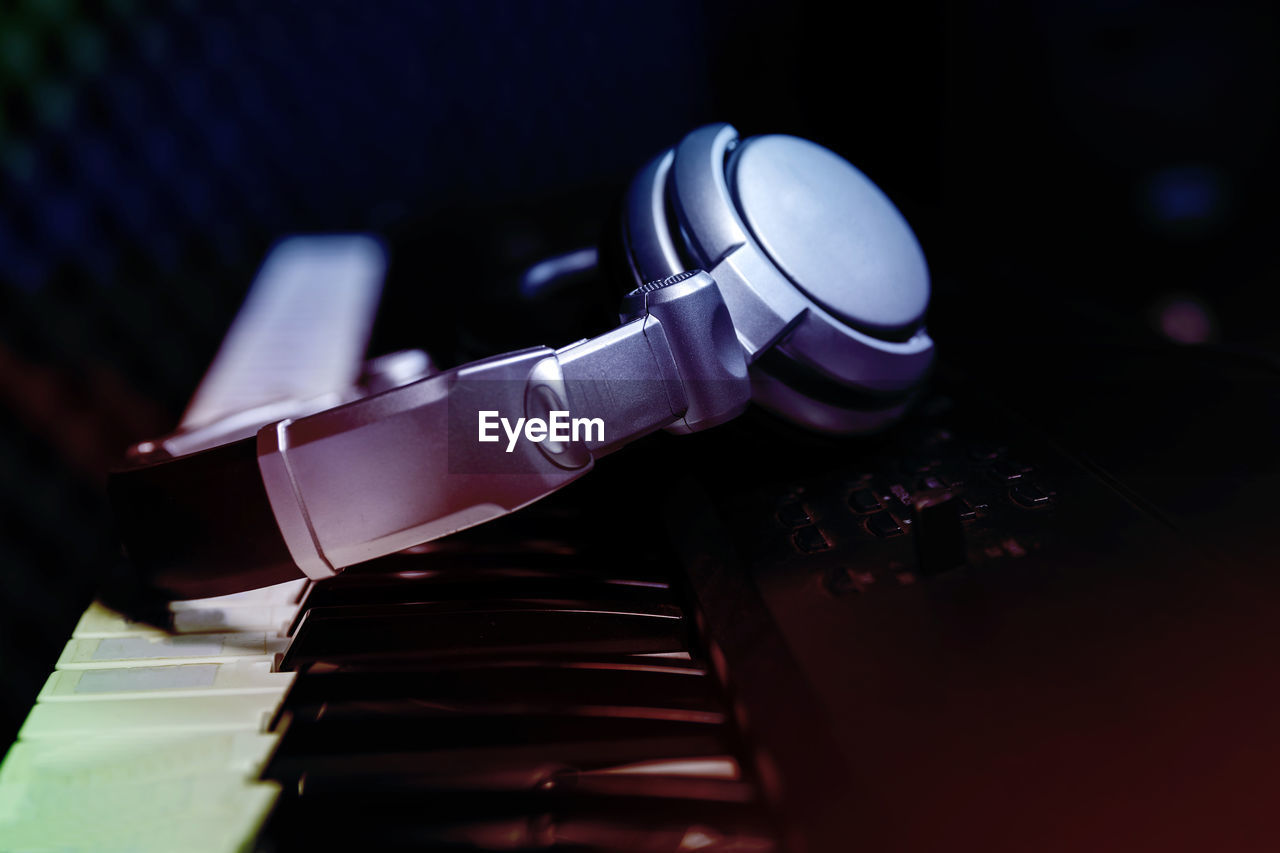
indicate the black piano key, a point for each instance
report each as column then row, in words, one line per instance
column 468, row 592
column 555, row 719
column 676, row 664
column 545, row 820
column 429, row 630
column 487, row 767
column 493, row 585
column 392, row 726
column 618, row 782
column 549, row 686
column 425, row 610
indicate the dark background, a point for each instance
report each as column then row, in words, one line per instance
column 1072, row 170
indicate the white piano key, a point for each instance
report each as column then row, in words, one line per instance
column 100, row 621
column 273, row 618
column 101, row 653
column 130, row 758
column 211, row 711
column 200, row 813
column 83, row 685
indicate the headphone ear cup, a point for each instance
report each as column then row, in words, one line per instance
column 825, row 278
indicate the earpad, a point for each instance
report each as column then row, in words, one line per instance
column 832, row 232
column 823, row 276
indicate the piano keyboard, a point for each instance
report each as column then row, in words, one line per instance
column 479, row 695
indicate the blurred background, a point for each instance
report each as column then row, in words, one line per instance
column 1071, row 170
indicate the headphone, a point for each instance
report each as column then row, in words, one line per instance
column 766, row 269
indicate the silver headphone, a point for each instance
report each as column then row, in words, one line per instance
column 766, row 269
column 824, row 279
